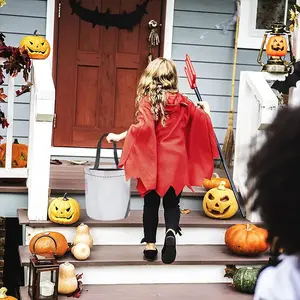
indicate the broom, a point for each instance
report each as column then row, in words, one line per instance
column 228, row 146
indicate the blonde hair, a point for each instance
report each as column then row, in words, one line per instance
column 159, row 77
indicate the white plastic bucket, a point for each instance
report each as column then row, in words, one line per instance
column 107, row 193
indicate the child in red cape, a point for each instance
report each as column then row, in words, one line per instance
column 171, row 146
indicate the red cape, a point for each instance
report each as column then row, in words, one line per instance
column 180, row 154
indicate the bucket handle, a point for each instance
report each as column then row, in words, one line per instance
column 99, row 146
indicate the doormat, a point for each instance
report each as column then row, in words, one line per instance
column 122, row 21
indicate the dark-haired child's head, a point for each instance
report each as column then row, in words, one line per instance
column 274, row 173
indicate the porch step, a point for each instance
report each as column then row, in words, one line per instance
column 197, row 229
column 194, row 219
column 68, row 178
column 125, row 264
column 221, row 291
column 132, row 255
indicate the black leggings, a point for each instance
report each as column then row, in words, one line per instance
column 150, row 215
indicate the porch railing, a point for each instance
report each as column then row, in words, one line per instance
column 40, row 136
column 257, row 107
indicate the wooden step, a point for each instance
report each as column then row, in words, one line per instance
column 132, row 255
column 125, row 264
column 194, row 219
column 221, row 291
column 68, row 178
column 197, row 229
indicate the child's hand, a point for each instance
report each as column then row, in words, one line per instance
column 204, row 105
column 112, row 137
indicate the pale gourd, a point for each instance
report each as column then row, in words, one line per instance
column 81, row 251
column 83, row 235
column 67, row 281
column 3, row 295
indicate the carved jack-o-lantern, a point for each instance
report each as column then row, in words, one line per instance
column 64, row 210
column 276, row 46
column 220, row 203
column 37, row 46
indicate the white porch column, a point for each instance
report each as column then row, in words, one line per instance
column 40, row 136
column 294, row 99
column 257, row 107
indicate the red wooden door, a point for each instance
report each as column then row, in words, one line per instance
column 97, row 72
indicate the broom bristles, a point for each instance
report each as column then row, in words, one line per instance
column 228, row 146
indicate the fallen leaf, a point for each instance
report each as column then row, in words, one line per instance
column 185, row 211
column 2, row 95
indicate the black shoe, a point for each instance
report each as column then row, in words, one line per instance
column 168, row 253
column 150, row 255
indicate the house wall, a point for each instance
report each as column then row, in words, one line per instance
column 19, row 18
column 212, row 55
column 212, row 58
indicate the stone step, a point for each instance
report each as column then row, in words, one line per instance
column 197, row 228
column 221, row 291
column 125, row 264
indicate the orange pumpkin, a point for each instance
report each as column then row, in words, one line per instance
column 246, row 239
column 214, row 182
column 19, row 155
column 45, row 246
column 276, row 46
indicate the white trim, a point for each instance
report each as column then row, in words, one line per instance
column 50, row 28
column 294, row 99
column 81, row 152
column 132, row 235
column 249, row 36
column 168, row 34
column 168, row 38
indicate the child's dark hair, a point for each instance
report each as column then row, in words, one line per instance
column 273, row 177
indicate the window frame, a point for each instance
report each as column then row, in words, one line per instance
column 249, row 36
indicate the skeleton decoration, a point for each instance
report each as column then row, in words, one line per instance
column 153, row 38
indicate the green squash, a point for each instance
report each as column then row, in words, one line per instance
column 244, row 279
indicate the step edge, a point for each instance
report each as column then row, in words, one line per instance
column 215, row 223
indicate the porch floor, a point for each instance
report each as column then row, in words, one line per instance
column 158, row 291
column 69, row 178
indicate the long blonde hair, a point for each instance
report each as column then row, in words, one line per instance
column 159, row 77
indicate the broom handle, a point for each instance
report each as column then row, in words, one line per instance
column 234, row 63
column 235, row 192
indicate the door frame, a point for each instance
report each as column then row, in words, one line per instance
column 52, row 34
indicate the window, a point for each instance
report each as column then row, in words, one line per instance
column 257, row 16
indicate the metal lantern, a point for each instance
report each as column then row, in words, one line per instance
column 276, row 49
column 43, row 276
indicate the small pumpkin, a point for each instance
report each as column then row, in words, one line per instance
column 81, row 251
column 244, row 279
column 3, row 295
column 67, row 280
column 64, row 210
column 83, row 235
column 37, row 46
column 215, row 182
column 45, row 246
column 246, row 239
column 220, row 203
column 19, row 155
column 276, row 46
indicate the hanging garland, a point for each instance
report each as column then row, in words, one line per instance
column 122, row 21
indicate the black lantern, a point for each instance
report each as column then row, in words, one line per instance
column 276, row 50
column 43, row 276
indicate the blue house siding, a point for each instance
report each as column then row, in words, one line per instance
column 211, row 55
column 19, row 18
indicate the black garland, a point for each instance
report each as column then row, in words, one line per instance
column 121, row 21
